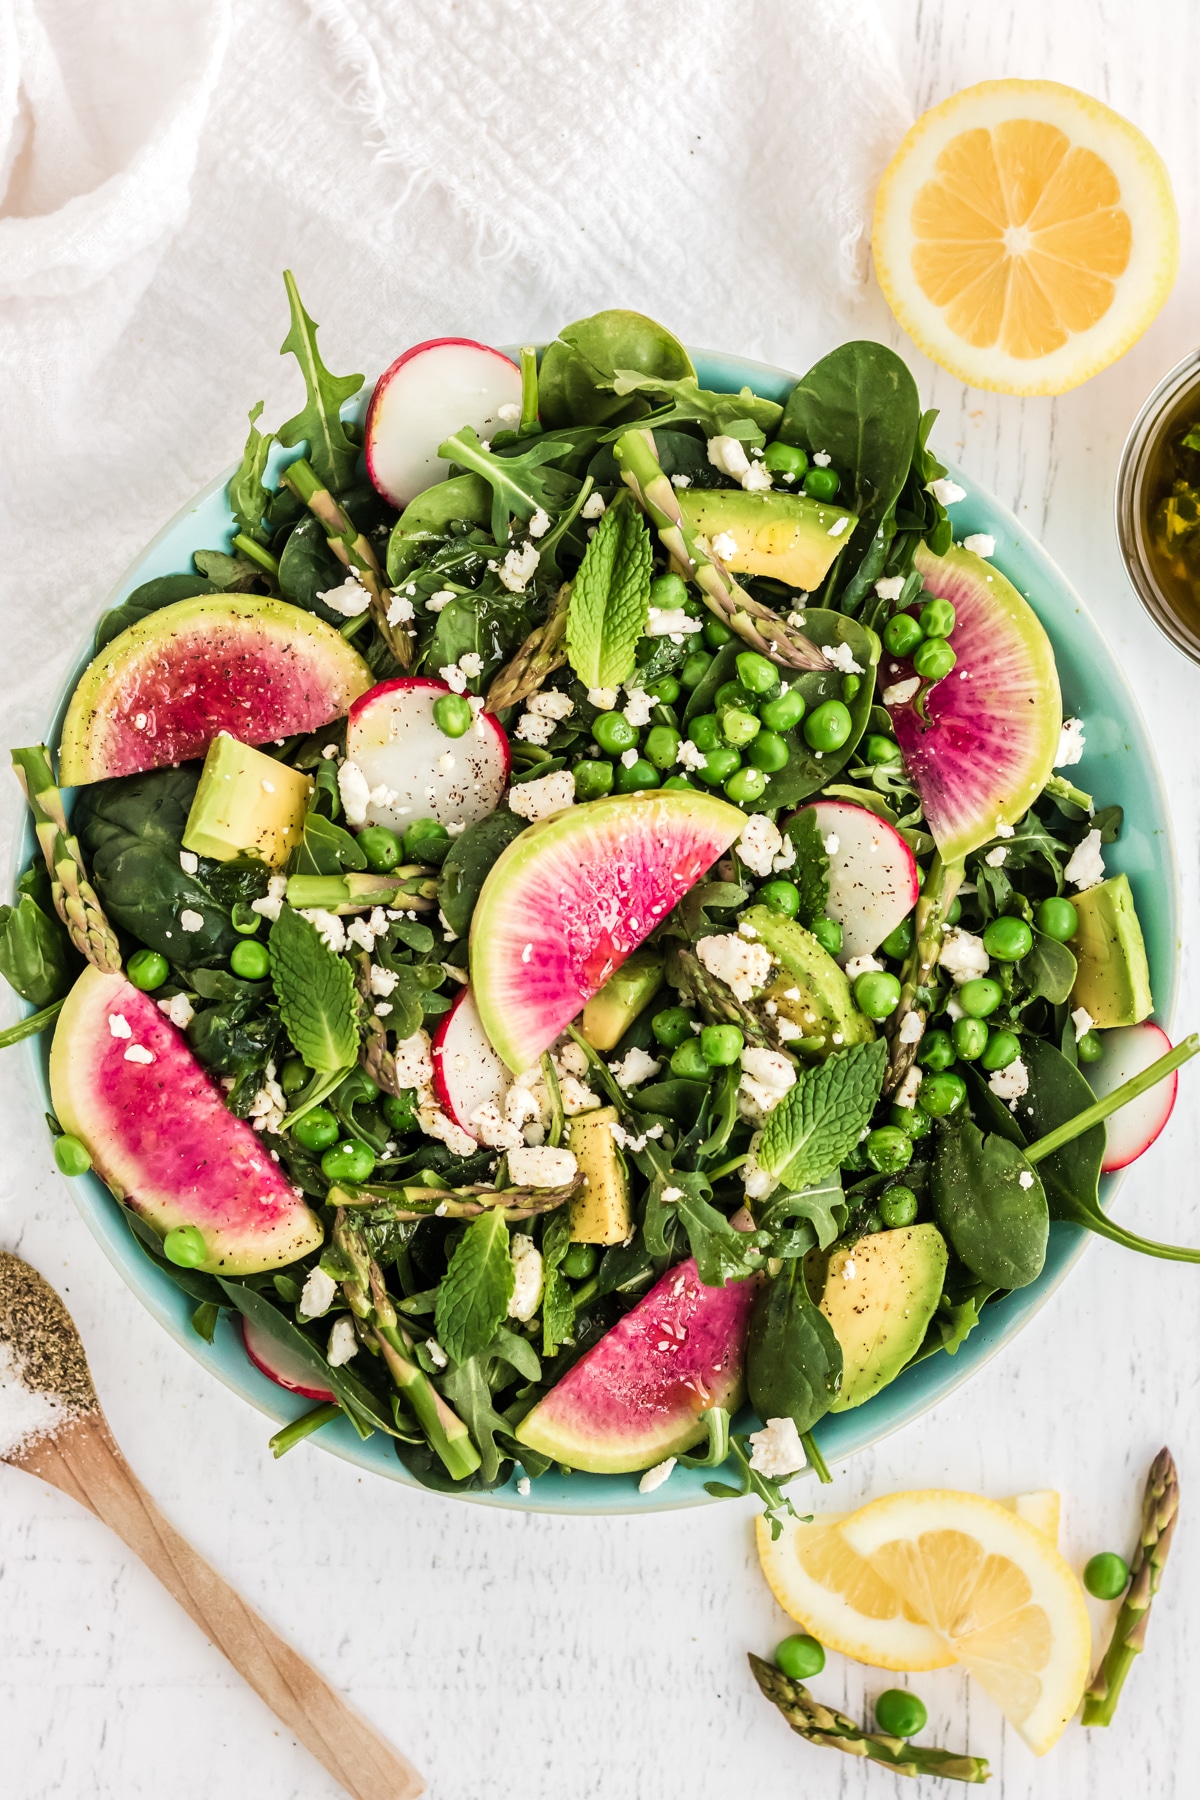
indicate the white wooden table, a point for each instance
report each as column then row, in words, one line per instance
column 605, row 1659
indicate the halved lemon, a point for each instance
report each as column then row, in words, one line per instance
column 817, row 1578
column 995, row 1591
column 1025, row 235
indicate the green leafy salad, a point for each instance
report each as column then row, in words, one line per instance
column 564, row 919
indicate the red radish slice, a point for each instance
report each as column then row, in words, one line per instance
column 467, row 1073
column 429, row 392
column 873, row 880
column 393, row 738
column 1127, row 1051
column 279, row 1364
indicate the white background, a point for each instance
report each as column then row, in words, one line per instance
column 594, row 1659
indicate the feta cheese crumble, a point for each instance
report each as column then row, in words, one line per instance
column 890, row 587
column 1071, row 744
column 962, row 955
column 551, row 704
column 841, row 656
column 179, row 1010
column 745, row 967
column 119, row 1025
column 638, row 707
column 1083, row 1021
column 541, row 1167
column 190, row 920
column 901, row 692
column 691, row 756
column 671, row 622
column 271, row 903
column 548, row 794
column 527, row 1277
column 603, row 698
column 350, row 599
column 535, row 728
column 319, row 1293
column 767, row 1075
column 1086, row 867
column 654, row 1478
column 947, row 492
column 355, row 791
column 328, row 924
column 760, row 843
column 189, row 862
column 539, row 525
column 724, row 545
column 343, row 1343
column 1009, row 1084
column 138, row 1053
column 635, row 1067
column 981, row 543
column 729, row 455
column 862, row 965
column 518, row 568
column 1025, row 1178
column 777, row 1450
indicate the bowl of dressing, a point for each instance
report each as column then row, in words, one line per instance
column 1158, row 505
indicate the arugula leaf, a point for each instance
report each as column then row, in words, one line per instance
column 810, row 872
column 743, row 415
column 823, row 1205
column 820, row 1120
column 249, row 496
column 332, row 452
column 793, row 1357
column 315, row 991
column 521, row 483
column 721, row 1253
column 610, row 598
column 468, row 1391
column 476, row 1289
column 558, row 1300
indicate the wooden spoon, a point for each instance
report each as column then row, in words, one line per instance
column 77, row 1453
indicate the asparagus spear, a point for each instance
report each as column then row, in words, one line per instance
column 756, row 624
column 397, row 1202
column 826, row 1726
column 719, row 1001
column 934, row 902
column 353, row 551
column 1160, row 1509
column 75, row 898
column 543, row 651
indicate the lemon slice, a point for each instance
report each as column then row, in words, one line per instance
column 1025, row 235
column 996, row 1592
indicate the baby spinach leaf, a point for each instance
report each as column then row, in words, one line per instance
column 473, row 1297
column 326, row 849
column 793, row 1358
column 234, row 1034
column 578, row 366
column 353, row 1393
column 468, row 863
column 332, row 452
column 249, row 496
column 229, row 574
column 151, row 597
column 610, row 598
column 1050, row 969
column 820, row 1120
column 810, row 871
column 315, row 991
column 35, row 952
column 991, row 1206
column 308, row 568
column 806, row 770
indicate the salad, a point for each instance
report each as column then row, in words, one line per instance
column 572, row 915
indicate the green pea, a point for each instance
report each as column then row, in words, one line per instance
column 580, row 1261
column 452, row 715
column 1056, row 918
column 828, row 727
column 317, row 1130
column 613, row 732
column 1008, row 940
column 745, row 786
column 899, row 941
column 900, row 1714
column 879, row 750
column 399, row 1110
column 889, row 1149
column 822, row 484
column 719, row 765
column 936, row 1051
column 349, row 1161
column 694, row 669
column 768, row 752
column 782, row 897
column 980, row 996
column 937, row 618
column 72, row 1156
column 250, row 959
column 1090, row 1047
column 955, row 913
column 785, row 711
column 850, row 686
column 898, row 1206
column 185, row 1247
column 593, row 779
column 666, row 689
column 668, row 592
column 721, row 1045
column 672, row 1027
column 639, row 776
column 147, row 970
column 732, row 693
column 294, row 1075
column 244, row 919
column 933, row 659
column 688, row 1061
column 902, row 634
column 716, row 633
column 828, row 933
column 786, row 459
column 941, row 1094
column 662, row 746
column 676, row 782
column 911, row 1119
column 800, row 1656
column 757, row 673
column 877, row 994
column 381, row 847
column 705, row 731
column 422, row 831
column 969, row 1037
column 1003, row 1047
column 738, row 727
column 1106, row 1575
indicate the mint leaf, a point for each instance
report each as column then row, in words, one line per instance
column 818, row 1122
column 476, row 1289
column 248, row 496
column 331, row 450
column 810, row 872
column 315, row 991
column 610, row 598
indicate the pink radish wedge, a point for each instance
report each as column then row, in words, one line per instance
column 427, row 394
column 873, row 880
column 467, row 1073
column 1127, row 1051
column 393, row 738
column 279, row 1364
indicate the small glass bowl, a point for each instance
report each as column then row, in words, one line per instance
column 1177, row 396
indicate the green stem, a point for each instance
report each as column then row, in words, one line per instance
column 256, row 554
column 933, row 903
column 727, row 1168
column 1111, row 1103
column 31, row 1024
column 816, row 1461
column 303, row 1427
column 529, row 391
column 557, row 1116
column 321, row 1085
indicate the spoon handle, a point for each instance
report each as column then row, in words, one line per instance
column 84, row 1461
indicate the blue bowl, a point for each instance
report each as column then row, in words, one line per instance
column 1119, row 767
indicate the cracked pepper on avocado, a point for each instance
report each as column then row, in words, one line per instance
column 568, row 919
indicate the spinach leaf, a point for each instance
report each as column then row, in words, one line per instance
column 805, row 770
column 1050, row 970
column 473, row 1297
column 610, row 598
column 991, row 1206
column 315, row 991
column 488, row 620
column 151, row 597
column 228, row 574
column 793, row 1358
column 308, row 568
column 249, row 496
column 332, row 452
column 234, row 1034
column 578, row 366
column 35, row 952
column 468, row 863
column 820, row 1120
column 558, row 1299
column 810, row 871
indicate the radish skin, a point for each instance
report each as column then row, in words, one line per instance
column 273, row 1361
column 467, row 1073
column 427, row 394
column 1127, row 1051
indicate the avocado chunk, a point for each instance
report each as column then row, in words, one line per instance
column 1113, row 983
column 600, row 1211
column 814, row 1008
column 247, row 804
column 879, row 1295
column 789, row 536
column 609, row 1014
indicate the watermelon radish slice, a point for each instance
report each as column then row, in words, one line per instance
column 394, row 740
column 873, row 880
column 994, row 721
column 467, row 1073
column 161, row 1135
column 1130, row 1131
column 425, row 396
column 275, row 1362
column 636, row 1397
column 568, row 901
column 160, row 693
